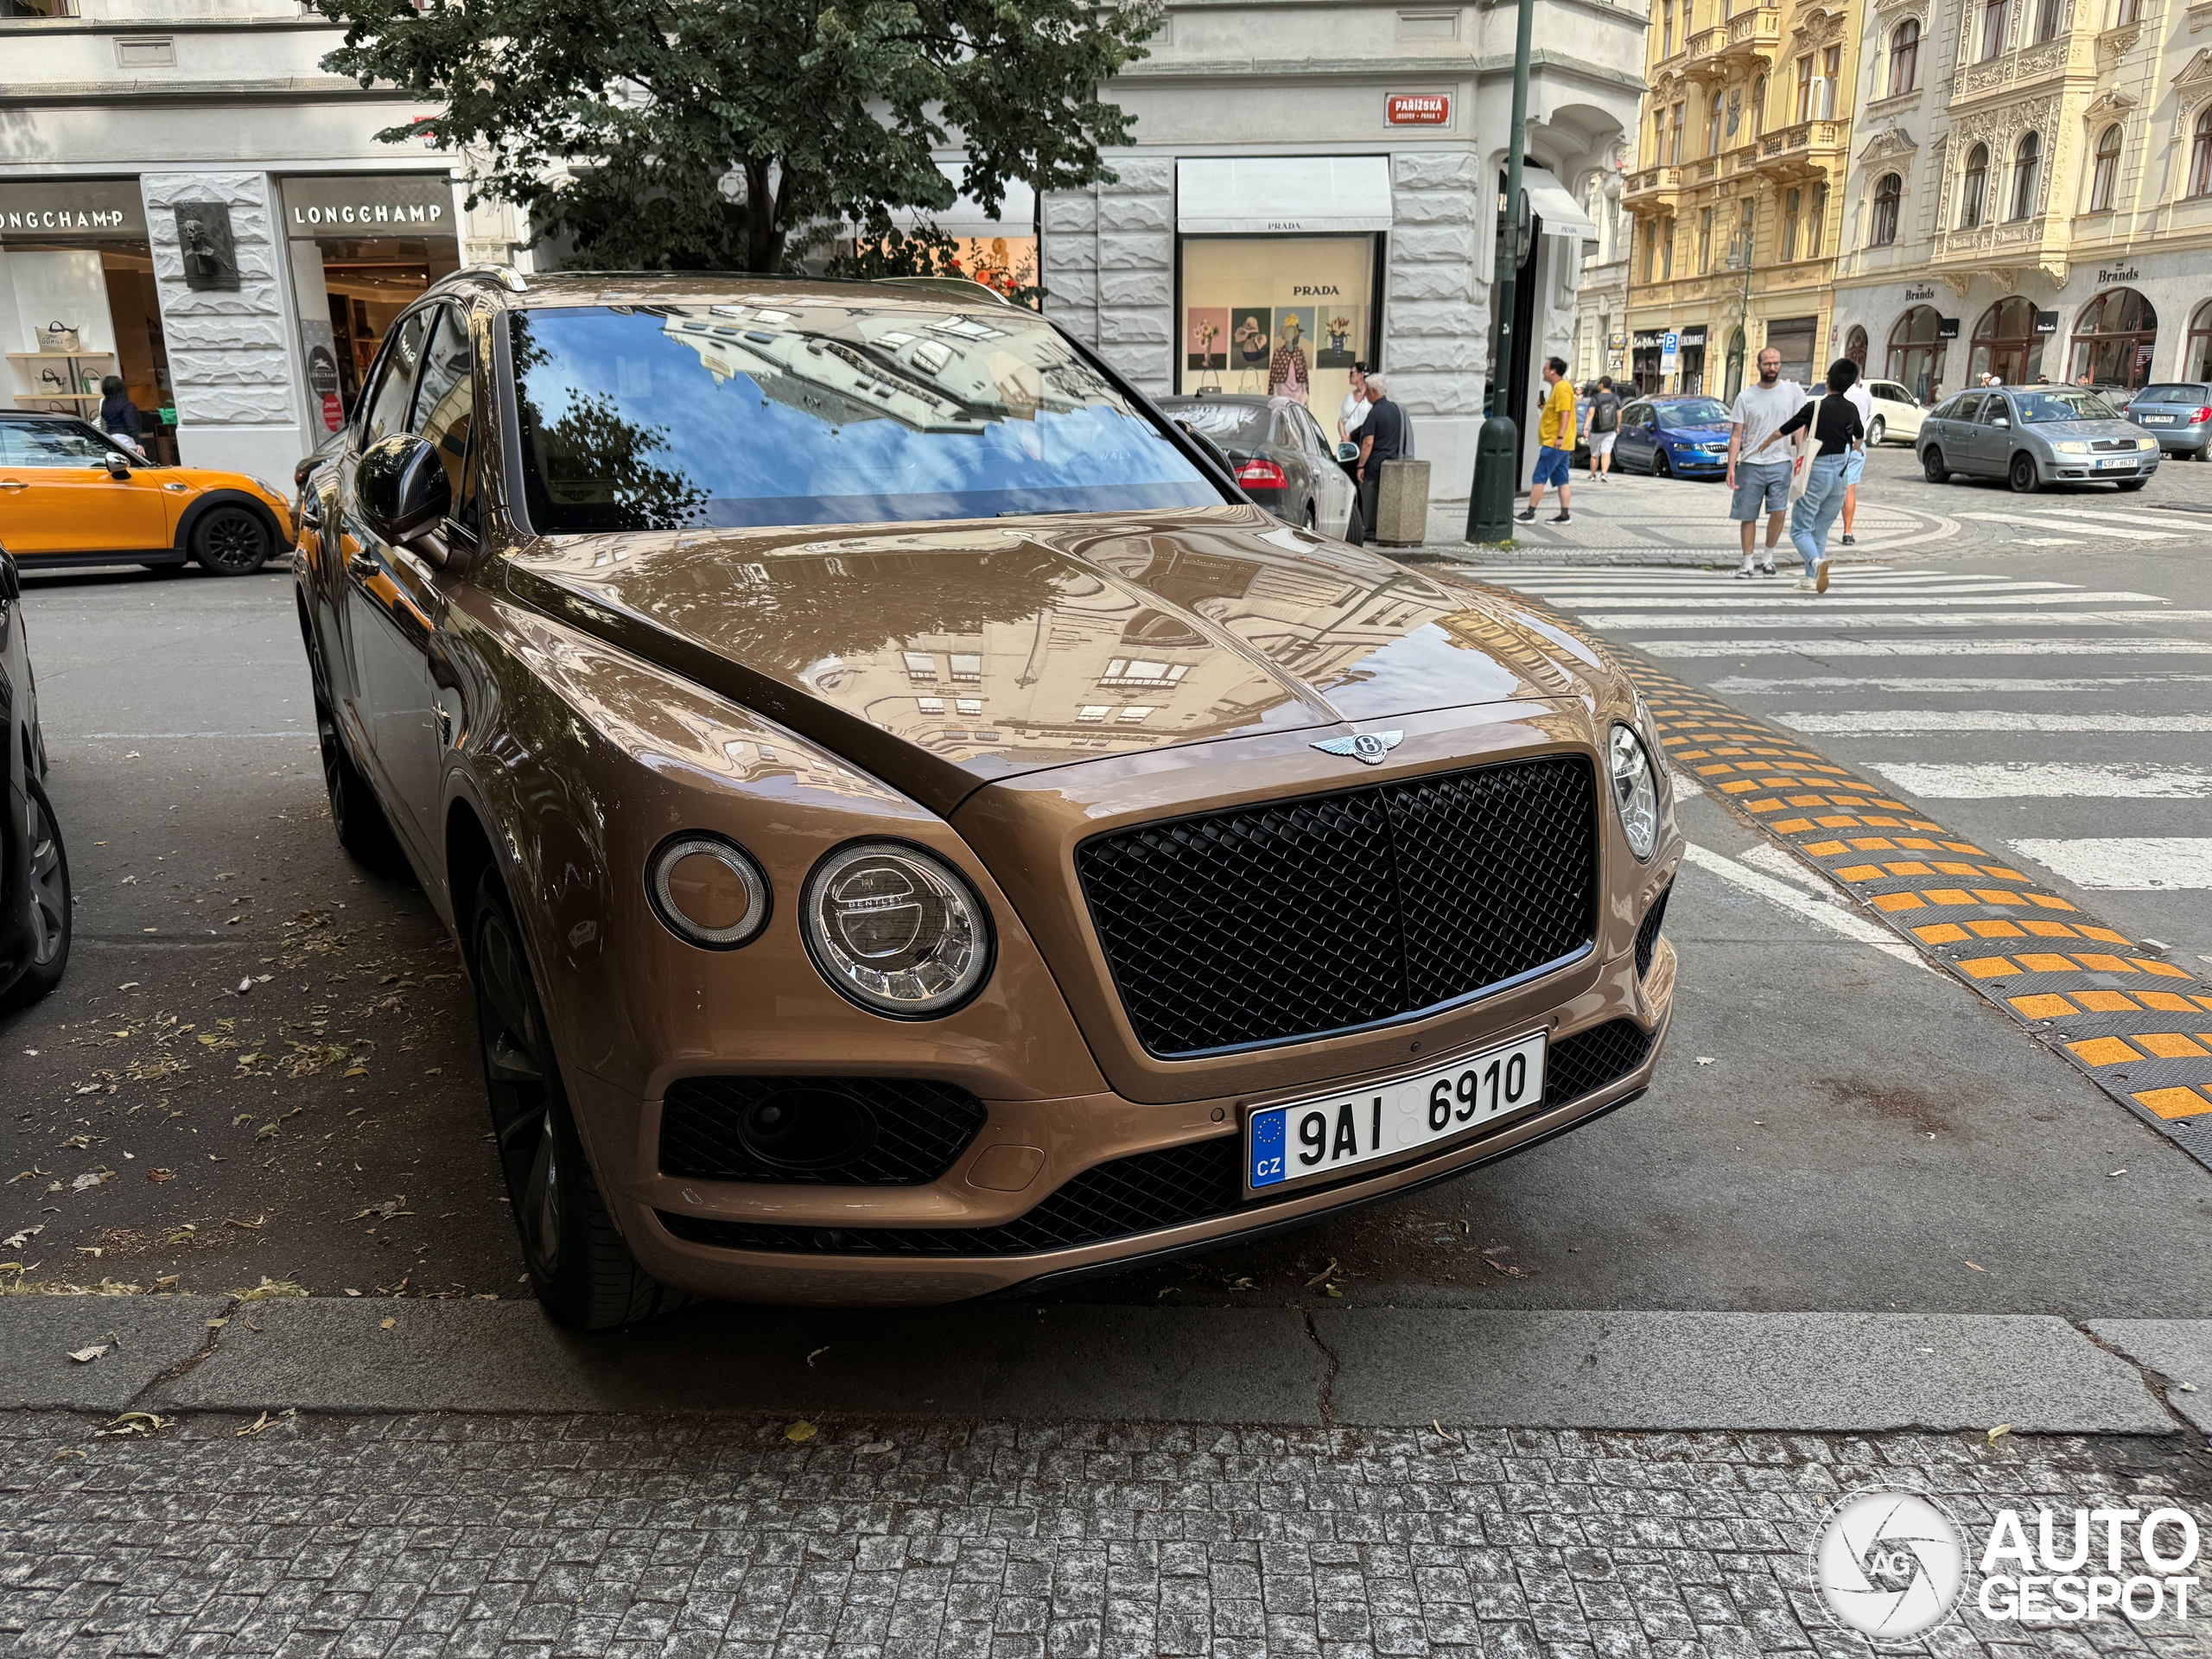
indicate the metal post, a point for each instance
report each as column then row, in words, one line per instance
column 1489, row 501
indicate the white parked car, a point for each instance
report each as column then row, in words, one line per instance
column 1897, row 415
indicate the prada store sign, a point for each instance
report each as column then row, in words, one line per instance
column 77, row 208
column 410, row 205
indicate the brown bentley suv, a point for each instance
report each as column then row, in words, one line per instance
column 915, row 830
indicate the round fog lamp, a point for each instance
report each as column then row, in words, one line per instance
column 896, row 928
column 1634, row 793
column 708, row 892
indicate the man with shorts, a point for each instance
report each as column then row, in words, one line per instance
column 1554, row 443
column 1759, row 457
column 1605, row 426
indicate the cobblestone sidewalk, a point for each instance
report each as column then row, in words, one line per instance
column 590, row 1536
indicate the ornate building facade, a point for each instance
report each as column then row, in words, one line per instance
column 2030, row 193
column 1737, row 187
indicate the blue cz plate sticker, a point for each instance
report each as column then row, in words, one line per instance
column 1310, row 1138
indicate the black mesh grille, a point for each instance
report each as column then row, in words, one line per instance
column 1153, row 1190
column 1647, row 932
column 904, row 1132
column 1296, row 919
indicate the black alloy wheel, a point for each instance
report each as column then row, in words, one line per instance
column 230, row 540
column 1661, row 466
column 1932, row 468
column 49, row 899
column 579, row 1267
column 2021, row 475
column 355, row 813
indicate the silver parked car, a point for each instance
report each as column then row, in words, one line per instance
column 2178, row 413
column 2034, row 435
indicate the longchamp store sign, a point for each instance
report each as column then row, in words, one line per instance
column 371, row 206
column 76, row 207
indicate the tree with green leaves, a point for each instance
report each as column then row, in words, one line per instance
column 736, row 134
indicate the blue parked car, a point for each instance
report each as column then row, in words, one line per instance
column 1674, row 437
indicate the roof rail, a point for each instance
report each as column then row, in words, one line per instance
column 961, row 287
column 506, row 276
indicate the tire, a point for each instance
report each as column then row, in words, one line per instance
column 355, row 813
column 1932, row 468
column 1660, row 467
column 230, row 540
column 50, row 899
column 1354, row 530
column 1310, row 520
column 2131, row 484
column 579, row 1267
column 2021, row 475
column 1874, row 432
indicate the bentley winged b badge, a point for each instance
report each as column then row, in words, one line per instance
column 1367, row 746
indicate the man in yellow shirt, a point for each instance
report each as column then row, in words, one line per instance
column 1554, row 441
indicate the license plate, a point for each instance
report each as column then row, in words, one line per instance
column 2110, row 463
column 1312, row 1140
column 2158, row 420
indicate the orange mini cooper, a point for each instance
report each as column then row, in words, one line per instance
column 914, row 830
column 71, row 495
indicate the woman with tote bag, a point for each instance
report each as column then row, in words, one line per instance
column 1832, row 432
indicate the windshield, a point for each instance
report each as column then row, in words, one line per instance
column 2171, row 395
column 660, row 418
column 1697, row 411
column 2036, row 407
column 1246, row 424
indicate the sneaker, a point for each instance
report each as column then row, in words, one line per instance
column 1766, row 570
column 1820, row 577
column 1564, row 518
column 1850, row 540
column 1527, row 515
column 1804, row 586
column 1744, row 574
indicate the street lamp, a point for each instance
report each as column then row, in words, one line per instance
column 1497, row 446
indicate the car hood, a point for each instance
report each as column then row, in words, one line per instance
column 1698, row 434
column 942, row 658
column 2055, row 430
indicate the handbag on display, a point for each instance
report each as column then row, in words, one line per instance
column 58, row 337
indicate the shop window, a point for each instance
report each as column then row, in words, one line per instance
column 1917, row 351
column 1887, row 189
column 2005, row 343
column 2114, row 338
column 1280, row 316
column 1904, row 57
column 2196, row 355
column 1973, row 191
column 2104, row 174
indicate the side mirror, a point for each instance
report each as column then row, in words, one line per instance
column 1347, row 452
column 2001, row 420
column 401, row 486
column 117, row 465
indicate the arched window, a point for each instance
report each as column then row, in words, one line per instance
column 1974, row 193
column 1995, row 14
column 1917, row 351
column 2027, row 162
column 2104, row 174
column 1887, row 189
column 2196, row 355
column 1854, row 347
column 2114, row 338
column 1904, row 57
column 2005, row 343
column 2200, row 155
column 1758, row 107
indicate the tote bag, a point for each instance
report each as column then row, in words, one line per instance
column 1800, row 469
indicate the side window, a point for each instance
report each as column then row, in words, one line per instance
column 445, row 407
column 1960, row 409
column 389, row 402
column 51, row 443
column 1993, row 409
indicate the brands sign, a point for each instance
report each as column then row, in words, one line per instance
column 419, row 204
column 1418, row 109
column 104, row 209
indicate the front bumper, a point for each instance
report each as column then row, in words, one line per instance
column 2081, row 469
column 1119, row 1181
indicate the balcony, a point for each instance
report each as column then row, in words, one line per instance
column 2029, row 66
column 1807, row 150
column 1653, row 184
column 2014, row 244
column 1735, row 46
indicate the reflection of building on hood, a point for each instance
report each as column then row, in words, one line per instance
column 945, row 374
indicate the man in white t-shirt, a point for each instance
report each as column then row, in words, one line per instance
column 1759, row 456
column 1854, row 460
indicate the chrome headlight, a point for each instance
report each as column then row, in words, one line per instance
column 1635, row 792
column 896, row 928
column 2146, row 443
column 707, row 890
column 2071, row 446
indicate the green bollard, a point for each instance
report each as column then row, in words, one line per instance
column 1490, row 507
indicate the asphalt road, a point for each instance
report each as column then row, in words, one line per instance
column 1833, row 1127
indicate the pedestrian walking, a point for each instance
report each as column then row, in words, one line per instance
column 1833, row 431
column 1382, row 437
column 1759, row 458
column 1854, row 468
column 1605, row 426
column 1554, row 443
column 118, row 415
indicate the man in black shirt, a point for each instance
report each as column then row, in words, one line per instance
column 1382, row 437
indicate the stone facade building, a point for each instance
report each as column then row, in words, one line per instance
column 1742, row 149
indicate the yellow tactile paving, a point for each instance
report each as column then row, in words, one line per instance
column 2172, row 1103
column 1995, row 931
column 2171, row 1046
column 2045, row 1005
column 2106, row 1001
column 1950, row 896
column 2049, row 930
column 1896, row 901
column 2166, row 1002
column 2104, row 1051
column 1987, row 968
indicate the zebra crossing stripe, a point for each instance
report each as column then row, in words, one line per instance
column 2137, row 1027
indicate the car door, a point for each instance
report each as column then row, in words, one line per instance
column 57, row 495
column 1991, row 444
column 1333, row 492
column 1632, row 448
column 1951, row 429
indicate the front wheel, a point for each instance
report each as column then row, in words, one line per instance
column 579, row 1266
column 1874, row 432
column 1354, row 530
column 355, row 813
column 2021, row 475
column 1661, row 466
column 1932, row 468
column 49, row 899
column 2133, row 484
column 230, row 540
